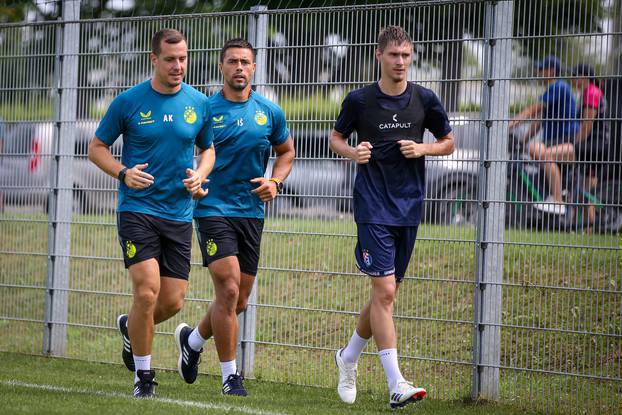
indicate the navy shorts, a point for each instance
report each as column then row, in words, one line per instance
column 383, row 250
column 145, row 236
column 220, row 237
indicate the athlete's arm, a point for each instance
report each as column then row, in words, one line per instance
column 135, row 178
column 339, row 144
column 285, row 154
column 199, row 176
column 441, row 147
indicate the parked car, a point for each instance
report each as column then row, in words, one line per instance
column 26, row 169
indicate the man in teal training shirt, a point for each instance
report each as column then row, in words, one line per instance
column 161, row 119
column 230, row 218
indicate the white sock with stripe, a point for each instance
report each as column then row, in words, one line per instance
column 388, row 358
column 141, row 363
column 227, row 368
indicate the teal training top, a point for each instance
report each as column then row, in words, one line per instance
column 243, row 134
column 162, row 130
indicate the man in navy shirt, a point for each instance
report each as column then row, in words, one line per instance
column 161, row 120
column 557, row 111
column 390, row 117
column 229, row 219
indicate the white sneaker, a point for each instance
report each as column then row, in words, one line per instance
column 549, row 205
column 404, row 394
column 347, row 379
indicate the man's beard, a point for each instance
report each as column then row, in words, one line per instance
column 238, row 87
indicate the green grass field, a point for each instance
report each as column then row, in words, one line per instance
column 30, row 384
column 560, row 308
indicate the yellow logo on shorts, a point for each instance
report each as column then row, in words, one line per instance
column 190, row 115
column 211, row 247
column 260, row 118
column 130, row 249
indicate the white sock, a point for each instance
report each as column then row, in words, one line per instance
column 141, row 363
column 195, row 340
column 351, row 353
column 227, row 368
column 388, row 358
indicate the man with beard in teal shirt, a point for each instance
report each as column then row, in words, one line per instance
column 230, row 218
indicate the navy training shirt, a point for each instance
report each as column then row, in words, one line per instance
column 389, row 190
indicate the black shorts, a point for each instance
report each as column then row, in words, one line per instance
column 145, row 236
column 221, row 237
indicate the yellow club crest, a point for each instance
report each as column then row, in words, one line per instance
column 260, row 118
column 190, row 115
column 211, row 247
column 145, row 114
column 130, row 249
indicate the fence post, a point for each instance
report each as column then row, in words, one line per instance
column 61, row 192
column 491, row 198
column 258, row 37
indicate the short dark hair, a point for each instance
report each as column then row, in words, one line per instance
column 392, row 34
column 238, row 42
column 171, row 36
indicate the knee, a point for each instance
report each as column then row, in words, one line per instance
column 228, row 296
column 384, row 297
column 146, row 297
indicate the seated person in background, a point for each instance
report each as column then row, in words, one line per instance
column 592, row 137
column 555, row 115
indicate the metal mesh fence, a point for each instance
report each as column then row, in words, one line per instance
column 504, row 297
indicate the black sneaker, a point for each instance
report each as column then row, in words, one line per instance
column 128, row 357
column 188, row 362
column 145, row 387
column 233, row 386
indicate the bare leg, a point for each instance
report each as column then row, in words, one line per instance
column 554, row 179
column 562, row 152
column 381, row 312
column 171, row 298
column 221, row 317
column 363, row 326
column 146, row 280
column 246, row 286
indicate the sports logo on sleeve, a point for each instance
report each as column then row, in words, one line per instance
column 190, row 115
